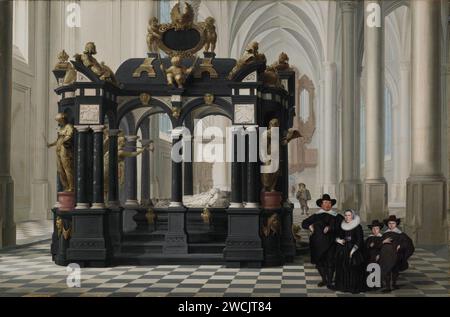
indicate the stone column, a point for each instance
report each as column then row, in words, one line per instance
column 145, row 177
column 426, row 206
column 113, row 177
column 375, row 186
column 349, row 187
column 189, row 169
column 236, row 170
column 404, row 142
column 98, row 201
column 131, row 173
column 82, row 201
column 252, row 170
column 7, row 225
column 40, row 186
column 330, row 130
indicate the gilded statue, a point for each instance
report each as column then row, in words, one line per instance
column 153, row 35
column 282, row 63
column 271, row 77
column 63, row 62
column 121, row 155
column 269, row 180
column 210, row 34
column 64, row 152
column 272, row 227
column 176, row 74
column 182, row 21
column 206, row 215
column 101, row 70
column 251, row 55
column 70, row 76
column 66, row 233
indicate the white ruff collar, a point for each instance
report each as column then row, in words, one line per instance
column 351, row 225
column 331, row 212
column 396, row 230
column 372, row 235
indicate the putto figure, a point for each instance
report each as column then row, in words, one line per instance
column 177, row 73
column 324, row 226
column 303, row 195
column 251, row 54
column 153, row 35
column 210, row 35
column 64, row 152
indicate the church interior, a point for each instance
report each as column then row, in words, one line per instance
column 366, row 86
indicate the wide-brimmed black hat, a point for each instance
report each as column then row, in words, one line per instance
column 376, row 223
column 325, row 197
column 392, row 218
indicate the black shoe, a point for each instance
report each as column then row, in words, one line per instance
column 386, row 290
column 395, row 286
column 321, row 284
column 331, row 287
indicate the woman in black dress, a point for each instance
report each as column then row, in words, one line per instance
column 350, row 274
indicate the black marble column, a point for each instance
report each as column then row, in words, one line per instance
column 98, row 200
column 253, row 178
column 82, row 200
column 244, row 166
column 113, row 197
column 236, row 170
column 131, row 173
column 189, row 173
column 177, row 179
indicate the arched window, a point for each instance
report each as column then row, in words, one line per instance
column 164, row 11
column 165, row 127
column 362, row 133
column 387, row 123
column 20, row 30
column 304, row 105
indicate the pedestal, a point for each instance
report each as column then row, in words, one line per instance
column 271, row 200
column 66, row 201
column 90, row 244
column 426, row 213
column 176, row 237
column 375, row 200
column 243, row 245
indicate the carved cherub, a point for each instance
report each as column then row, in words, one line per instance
column 206, row 215
column 210, row 35
column 153, row 35
column 272, row 227
column 177, row 73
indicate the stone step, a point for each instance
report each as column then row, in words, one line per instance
column 152, row 247
column 142, row 236
column 206, row 248
column 179, row 259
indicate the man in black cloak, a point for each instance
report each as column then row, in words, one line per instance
column 396, row 248
column 324, row 225
column 373, row 246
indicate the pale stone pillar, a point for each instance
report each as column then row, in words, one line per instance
column 349, row 187
column 330, row 148
column 426, row 212
column 40, row 184
column 7, row 225
column 375, row 186
column 404, row 128
column 131, row 173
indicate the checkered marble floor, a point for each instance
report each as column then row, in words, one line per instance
column 29, row 271
column 32, row 231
